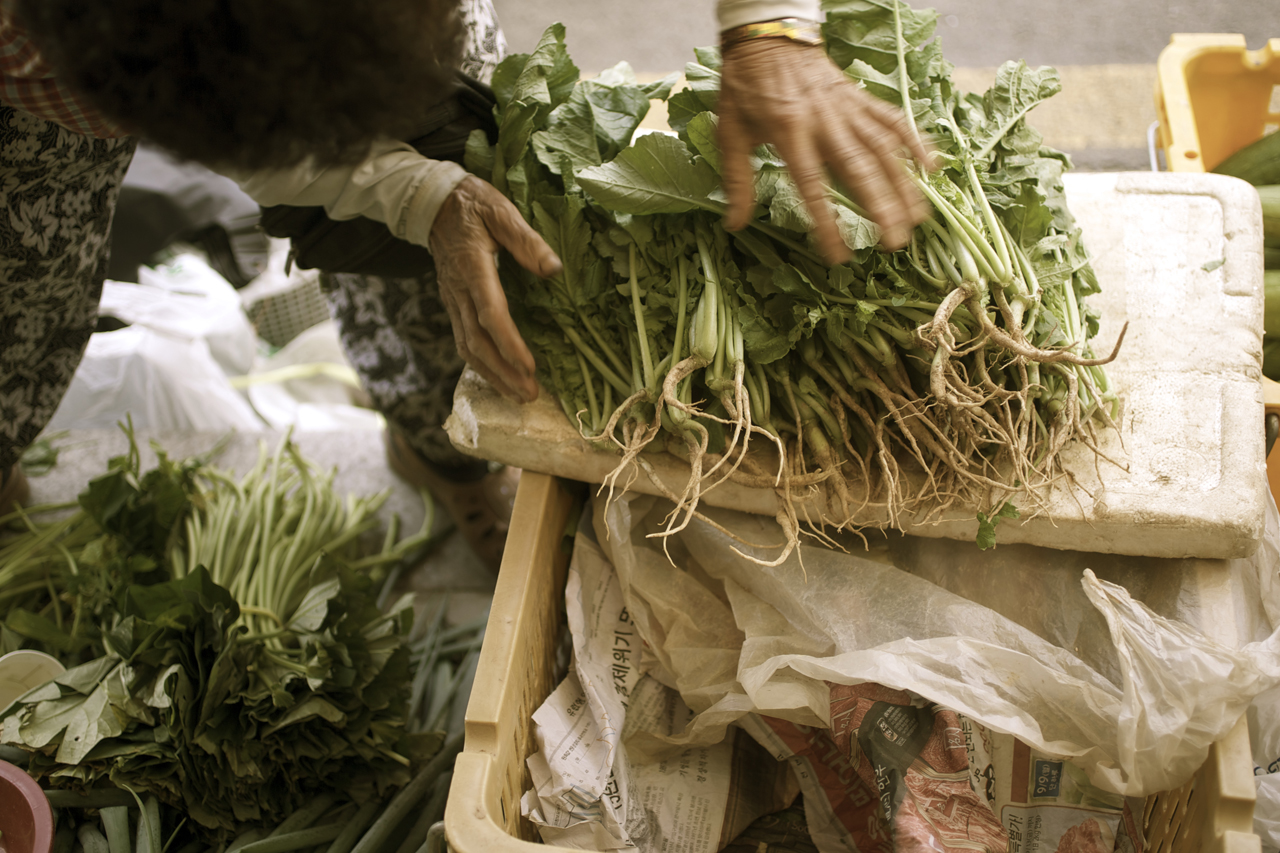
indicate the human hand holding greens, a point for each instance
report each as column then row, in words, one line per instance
column 473, row 224
column 792, row 96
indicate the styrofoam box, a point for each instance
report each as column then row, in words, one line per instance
column 1178, row 257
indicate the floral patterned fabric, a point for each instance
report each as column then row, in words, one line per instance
column 58, row 192
column 397, row 336
column 486, row 45
column 396, row 331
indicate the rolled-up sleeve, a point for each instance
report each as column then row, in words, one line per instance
column 394, row 184
column 735, row 13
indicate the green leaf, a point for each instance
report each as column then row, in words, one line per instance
column 549, row 75
column 595, row 123
column 314, row 607
column 701, row 133
column 86, row 677
column 858, row 233
column 660, row 90
column 106, row 496
column 864, row 30
column 788, row 210
column 619, row 104
column 515, row 130
column 702, row 90
column 987, row 525
column 178, row 603
column 314, row 707
column 656, row 175
column 43, row 630
column 505, row 76
column 1017, row 89
column 41, row 457
column 479, row 155
column 883, row 86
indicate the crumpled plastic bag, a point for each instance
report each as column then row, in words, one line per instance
column 587, row 792
column 168, row 368
column 1264, row 714
column 1135, row 701
column 186, row 298
column 310, row 386
column 163, row 383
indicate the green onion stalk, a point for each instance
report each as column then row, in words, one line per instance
column 281, row 530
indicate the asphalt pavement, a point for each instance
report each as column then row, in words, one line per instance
column 1105, row 51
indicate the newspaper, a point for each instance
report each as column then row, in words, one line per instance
column 894, row 773
column 891, row 773
column 1045, row 804
column 586, row 793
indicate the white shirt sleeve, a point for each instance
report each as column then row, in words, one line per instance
column 735, row 13
column 393, row 184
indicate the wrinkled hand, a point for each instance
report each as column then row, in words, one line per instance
column 475, row 221
column 791, row 95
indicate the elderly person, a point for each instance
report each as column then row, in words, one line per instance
column 303, row 103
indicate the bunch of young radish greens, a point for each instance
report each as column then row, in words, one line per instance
column 951, row 373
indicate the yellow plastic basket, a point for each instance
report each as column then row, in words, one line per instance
column 1212, row 813
column 1214, row 96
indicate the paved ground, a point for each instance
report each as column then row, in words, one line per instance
column 1105, row 49
column 657, row 35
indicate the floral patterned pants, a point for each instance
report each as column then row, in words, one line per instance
column 396, row 331
column 57, row 196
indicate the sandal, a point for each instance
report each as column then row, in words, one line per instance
column 481, row 510
column 14, row 490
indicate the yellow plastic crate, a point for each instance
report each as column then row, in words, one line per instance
column 1212, row 813
column 1214, row 96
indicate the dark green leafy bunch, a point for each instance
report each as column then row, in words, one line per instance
column 187, row 708
column 61, row 580
column 239, row 665
column 952, row 372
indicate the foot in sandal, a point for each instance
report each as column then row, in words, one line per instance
column 14, row 490
column 481, row 509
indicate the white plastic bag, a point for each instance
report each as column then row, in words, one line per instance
column 309, row 385
column 168, row 368
column 187, row 298
column 588, row 792
column 1264, row 719
column 735, row 637
column 163, row 383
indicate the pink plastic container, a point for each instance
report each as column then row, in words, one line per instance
column 26, row 820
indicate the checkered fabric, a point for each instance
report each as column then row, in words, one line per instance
column 27, row 83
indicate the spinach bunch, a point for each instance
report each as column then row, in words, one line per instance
column 953, row 371
column 61, row 580
column 229, row 654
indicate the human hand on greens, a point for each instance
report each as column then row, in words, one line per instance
column 474, row 222
column 791, row 95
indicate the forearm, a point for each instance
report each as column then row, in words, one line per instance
column 735, row 13
column 394, row 184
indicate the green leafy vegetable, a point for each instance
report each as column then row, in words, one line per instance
column 240, row 666
column 987, row 525
column 954, row 370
